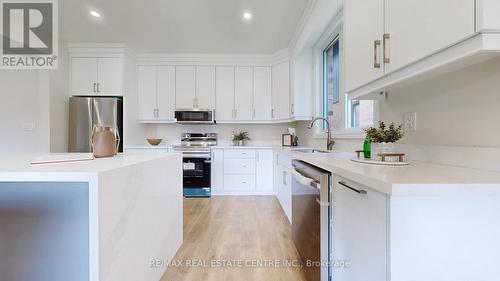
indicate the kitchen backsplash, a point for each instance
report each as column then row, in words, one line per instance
column 268, row 135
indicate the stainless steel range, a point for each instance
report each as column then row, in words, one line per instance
column 196, row 150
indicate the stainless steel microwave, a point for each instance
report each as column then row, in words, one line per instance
column 195, row 116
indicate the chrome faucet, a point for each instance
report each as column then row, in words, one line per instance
column 329, row 141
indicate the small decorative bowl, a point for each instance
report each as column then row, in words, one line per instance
column 154, row 141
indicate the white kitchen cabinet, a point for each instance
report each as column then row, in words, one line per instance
column 281, row 91
column 239, row 153
column 205, row 87
column 110, row 76
column 243, row 94
column 418, row 28
column 264, row 171
column 360, row 226
column 239, row 166
column 224, row 93
column 262, row 94
column 283, row 183
column 363, row 32
column 166, row 93
column 83, row 76
column 146, row 92
column 97, row 76
column 217, row 171
column 185, row 87
column 245, row 171
column 156, row 93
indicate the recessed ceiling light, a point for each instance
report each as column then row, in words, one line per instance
column 95, row 14
column 247, row 15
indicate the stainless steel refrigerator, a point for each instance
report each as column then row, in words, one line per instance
column 87, row 111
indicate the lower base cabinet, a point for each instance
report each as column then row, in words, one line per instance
column 242, row 171
column 360, row 223
column 283, row 183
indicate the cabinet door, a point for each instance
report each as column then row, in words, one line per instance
column 281, row 91
column 418, row 28
column 217, row 170
column 264, row 170
column 224, row 107
column 110, row 76
column 205, row 87
column 166, row 92
column 262, row 99
column 185, row 87
column 83, row 76
column 243, row 96
column 360, row 232
column 146, row 92
column 363, row 26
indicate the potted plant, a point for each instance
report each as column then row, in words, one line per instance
column 240, row 138
column 382, row 139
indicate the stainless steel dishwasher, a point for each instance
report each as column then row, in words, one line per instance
column 311, row 221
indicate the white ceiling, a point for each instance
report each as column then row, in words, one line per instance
column 183, row 26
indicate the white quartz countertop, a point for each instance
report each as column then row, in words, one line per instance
column 16, row 167
column 418, row 178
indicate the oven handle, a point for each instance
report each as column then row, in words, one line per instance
column 305, row 180
column 205, row 156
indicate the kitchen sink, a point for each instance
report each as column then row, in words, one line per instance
column 312, row 150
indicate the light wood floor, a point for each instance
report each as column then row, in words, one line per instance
column 241, row 229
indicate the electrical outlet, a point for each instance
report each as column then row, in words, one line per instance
column 410, row 121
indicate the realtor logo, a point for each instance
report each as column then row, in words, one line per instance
column 29, row 34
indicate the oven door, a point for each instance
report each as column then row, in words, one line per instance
column 196, row 176
column 195, row 116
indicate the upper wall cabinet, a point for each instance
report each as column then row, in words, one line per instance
column 185, row 87
column 364, row 27
column 225, row 93
column 262, row 95
column 391, row 42
column 418, row 28
column 195, row 87
column 156, row 93
column 243, row 94
column 205, row 87
column 97, row 76
column 281, row 91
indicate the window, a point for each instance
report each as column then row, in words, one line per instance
column 359, row 113
column 332, row 108
column 339, row 110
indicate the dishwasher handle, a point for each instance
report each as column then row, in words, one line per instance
column 305, row 180
column 360, row 191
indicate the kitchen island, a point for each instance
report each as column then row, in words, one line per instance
column 105, row 219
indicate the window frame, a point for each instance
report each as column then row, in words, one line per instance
column 333, row 33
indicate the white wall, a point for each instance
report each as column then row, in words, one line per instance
column 23, row 103
column 59, row 102
column 457, row 109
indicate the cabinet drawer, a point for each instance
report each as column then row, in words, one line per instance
column 239, row 182
column 239, row 153
column 239, row 166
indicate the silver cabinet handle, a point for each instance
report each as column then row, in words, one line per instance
column 292, row 108
column 360, row 191
column 376, row 44
column 386, row 56
column 253, row 114
column 284, row 178
column 94, row 88
column 158, row 112
column 154, row 112
column 98, row 87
